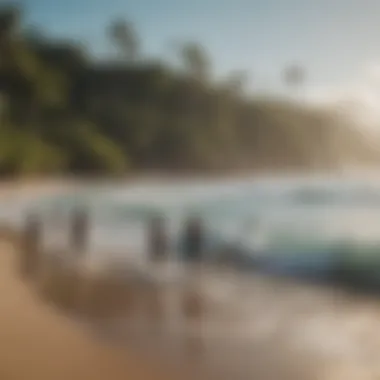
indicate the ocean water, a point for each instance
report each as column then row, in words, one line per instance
column 292, row 224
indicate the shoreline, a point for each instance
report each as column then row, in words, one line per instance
column 53, row 346
column 53, row 184
column 47, row 343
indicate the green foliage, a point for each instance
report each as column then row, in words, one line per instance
column 25, row 153
column 96, row 151
column 122, row 33
column 66, row 113
column 36, row 156
column 195, row 60
column 9, row 20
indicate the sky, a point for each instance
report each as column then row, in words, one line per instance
column 336, row 41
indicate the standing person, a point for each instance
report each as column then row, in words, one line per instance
column 194, row 240
column 31, row 245
column 192, row 299
column 157, row 240
column 158, row 249
column 80, row 231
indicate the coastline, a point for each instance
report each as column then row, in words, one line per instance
column 54, row 347
column 54, row 184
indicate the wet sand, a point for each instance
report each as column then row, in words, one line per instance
column 38, row 343
column 263, row 328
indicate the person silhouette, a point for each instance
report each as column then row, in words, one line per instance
column 80, row 231
column 30, row 250
column 193, row 240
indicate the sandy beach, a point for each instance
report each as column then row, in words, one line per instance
column 40, row 341
column 37, row 342
column 285, row 331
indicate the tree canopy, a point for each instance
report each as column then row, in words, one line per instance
column 62, row 112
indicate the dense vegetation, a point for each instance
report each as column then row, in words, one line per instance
column 63, row 112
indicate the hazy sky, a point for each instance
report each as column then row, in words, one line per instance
column 338, row 41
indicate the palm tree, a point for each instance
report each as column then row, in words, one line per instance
column 195, row 60
column 10, row 16
column 34, row 36
column 123, row 35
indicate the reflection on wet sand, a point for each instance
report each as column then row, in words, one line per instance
column 214, row 321
column 173, row 322
column 266, row 333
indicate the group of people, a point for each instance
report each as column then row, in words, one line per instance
column 192, row 240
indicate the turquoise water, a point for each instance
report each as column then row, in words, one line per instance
column 301, row 223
